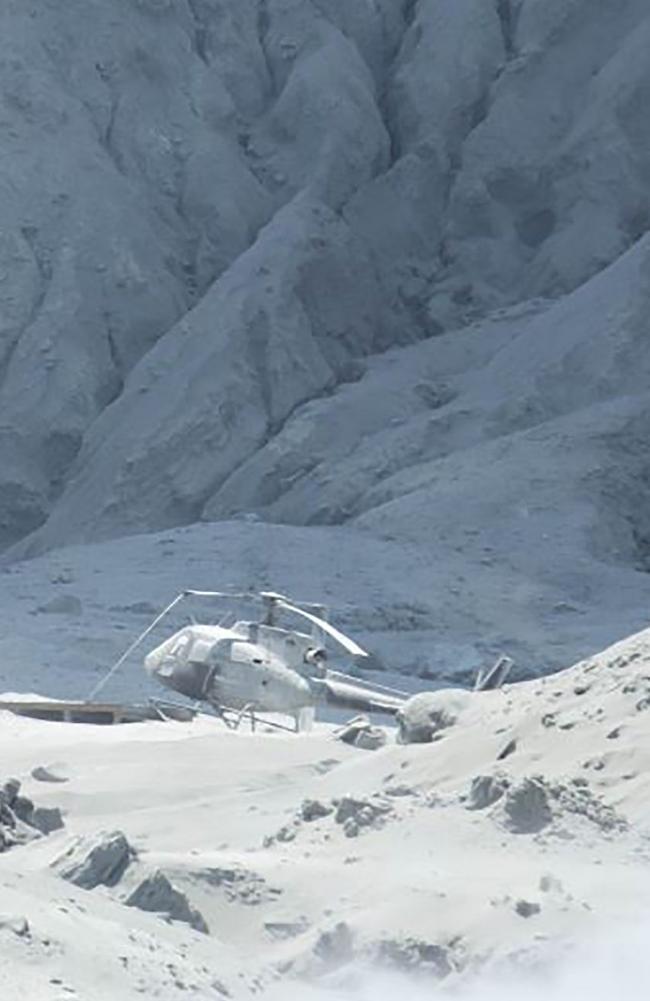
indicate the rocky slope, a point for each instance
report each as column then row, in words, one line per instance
column 378, row 266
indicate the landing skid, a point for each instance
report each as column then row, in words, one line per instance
column 233, row 719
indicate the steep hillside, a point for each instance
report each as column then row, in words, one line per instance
column 376, row 265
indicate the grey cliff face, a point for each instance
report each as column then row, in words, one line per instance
column 366, row 264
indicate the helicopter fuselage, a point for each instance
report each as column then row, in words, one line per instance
column 249, row 666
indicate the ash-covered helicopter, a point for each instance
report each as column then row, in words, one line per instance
column 262, row 667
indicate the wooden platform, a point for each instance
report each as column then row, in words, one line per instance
column 98, row 713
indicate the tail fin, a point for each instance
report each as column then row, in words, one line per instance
column 488, row 679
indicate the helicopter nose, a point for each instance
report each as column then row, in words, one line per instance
column 154, row 660
column 189, row 678
column 151, row 661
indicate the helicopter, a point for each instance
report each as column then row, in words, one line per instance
column 261, row 666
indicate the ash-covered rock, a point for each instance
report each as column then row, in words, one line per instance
column 155, row 893
column 360, row 732
column 335, row 946
column 281, row 931
column 527, row 908
column 314, row 809
column 240, row 886
column 400, row 791
column 414, row 955
column 99, row 860
column 577, row 798
column 20, row 820
column 47, row 819
column 16, row 924
column 355, row 814
column 55, row 773
column 533, row 804
column 287, row 833
column 526, row 807
column 426, row 716
column 485, row 790
column 352, row 813
column 371, row 739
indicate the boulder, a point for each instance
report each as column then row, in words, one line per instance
column 20, row 822
column 155, row 893
column 411, row 955
column 47, row 819
column 360, row 732
column 313, row 809
column 9, row 791
column 280, row 931
column 426, row 716
column 334, row 946
column 371, row 738
column 100, row 860
column 526, row 806
column 50, row 773
column 486, row 790
column 354, row 813
column 527, row 908
column 349, row 732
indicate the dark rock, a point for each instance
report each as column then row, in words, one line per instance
column 49, row 773
column 313, row 809
column 156, row 894
column 101, row 860
column 399, row 791
column 23, row 808
column 361, row 733
column 47, row 819
column 283, row 930
column 412, row 955
column 364, row 811
column 526, row 807
column 17, row 924
column 486, row 790
column 9, row 791
column 527, row 908
column 509, row 749
column 371, row 739
column 16, row 817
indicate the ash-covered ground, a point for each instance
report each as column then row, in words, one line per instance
column 506, row 858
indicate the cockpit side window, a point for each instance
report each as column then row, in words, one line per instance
column 181, row 647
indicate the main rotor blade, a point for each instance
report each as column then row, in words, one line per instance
column 221, row 594
column 344, row 641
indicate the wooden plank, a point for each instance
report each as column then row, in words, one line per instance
column 97, row 713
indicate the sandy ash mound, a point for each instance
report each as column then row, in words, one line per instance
column 234, row 861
